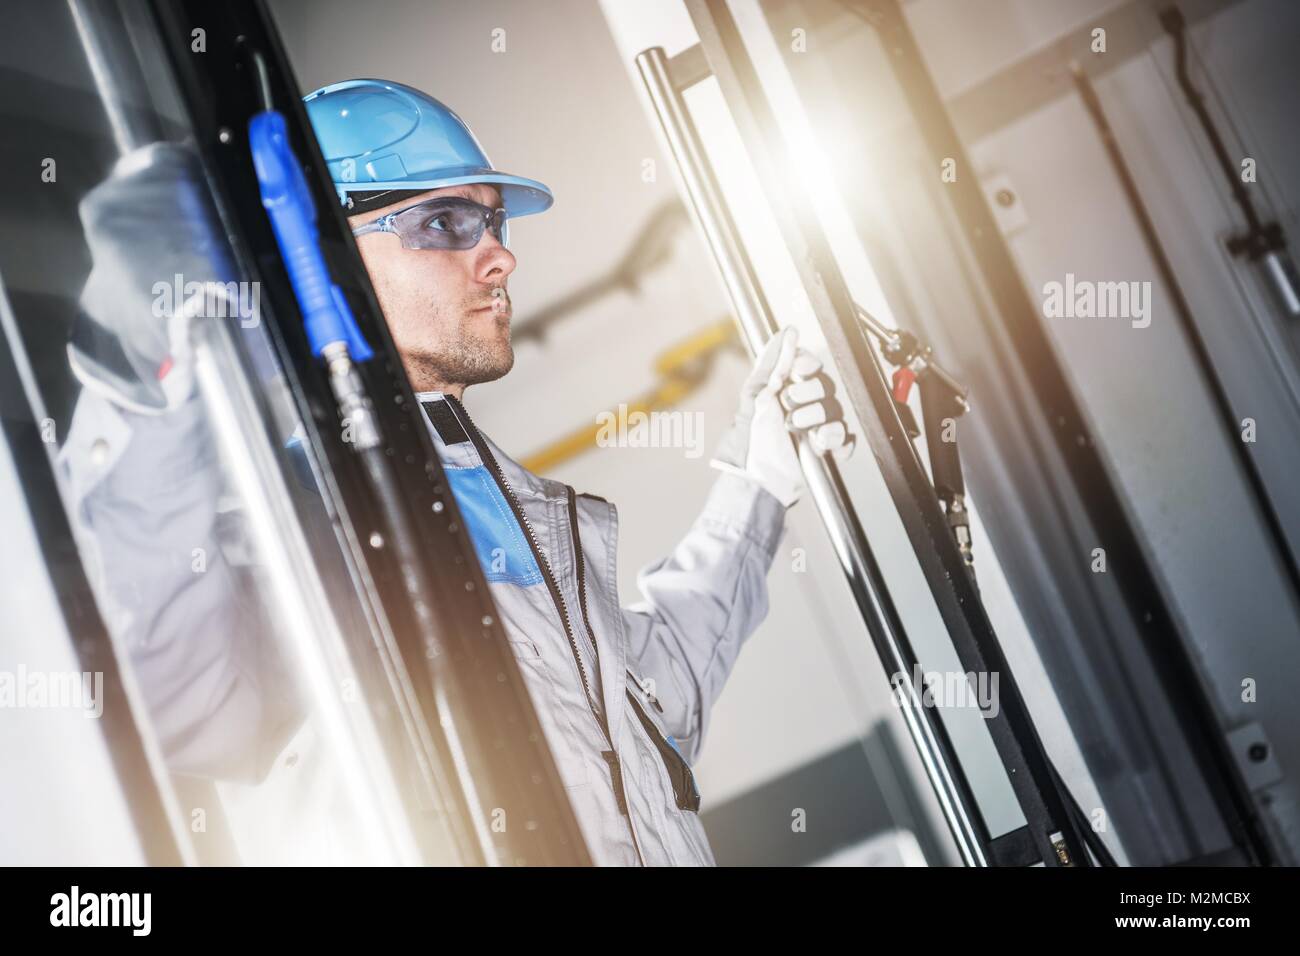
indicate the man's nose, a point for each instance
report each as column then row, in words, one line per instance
column 494, row 261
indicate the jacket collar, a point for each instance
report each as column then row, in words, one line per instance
column 450, row 427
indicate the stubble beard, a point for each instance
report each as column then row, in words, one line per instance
column 463, row 357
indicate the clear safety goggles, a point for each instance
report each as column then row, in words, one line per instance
column 443, row 222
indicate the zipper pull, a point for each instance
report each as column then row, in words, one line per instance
column 616, row 776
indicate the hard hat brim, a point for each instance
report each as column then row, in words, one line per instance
column 519, row 196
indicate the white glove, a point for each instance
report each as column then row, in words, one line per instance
column 758, row 443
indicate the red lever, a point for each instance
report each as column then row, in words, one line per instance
column 903, row 379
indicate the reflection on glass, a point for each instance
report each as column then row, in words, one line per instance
column 168, row 466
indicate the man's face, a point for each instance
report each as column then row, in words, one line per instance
column 448, row 310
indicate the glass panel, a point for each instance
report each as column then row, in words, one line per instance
column 153, row 378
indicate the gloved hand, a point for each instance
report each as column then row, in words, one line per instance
column 149, row 222
column 758, row 443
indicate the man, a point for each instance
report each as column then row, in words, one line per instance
column 623, row 694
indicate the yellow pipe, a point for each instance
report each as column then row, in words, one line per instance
column 679, row 379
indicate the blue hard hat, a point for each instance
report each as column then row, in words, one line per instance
column 377, row 135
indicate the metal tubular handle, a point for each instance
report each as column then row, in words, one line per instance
column 866, row 581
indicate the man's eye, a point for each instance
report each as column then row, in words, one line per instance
column 440, row 223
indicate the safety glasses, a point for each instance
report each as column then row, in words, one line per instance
column 444, row 222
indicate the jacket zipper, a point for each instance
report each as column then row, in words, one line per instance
column 610, row 756
column 653, row 699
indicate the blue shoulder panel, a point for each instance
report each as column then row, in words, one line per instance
column 499, row 541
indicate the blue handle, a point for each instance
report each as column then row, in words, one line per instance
column 325, row 311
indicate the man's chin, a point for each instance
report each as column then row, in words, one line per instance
column 498, row 366
column 491, row 375
column 477, row 368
